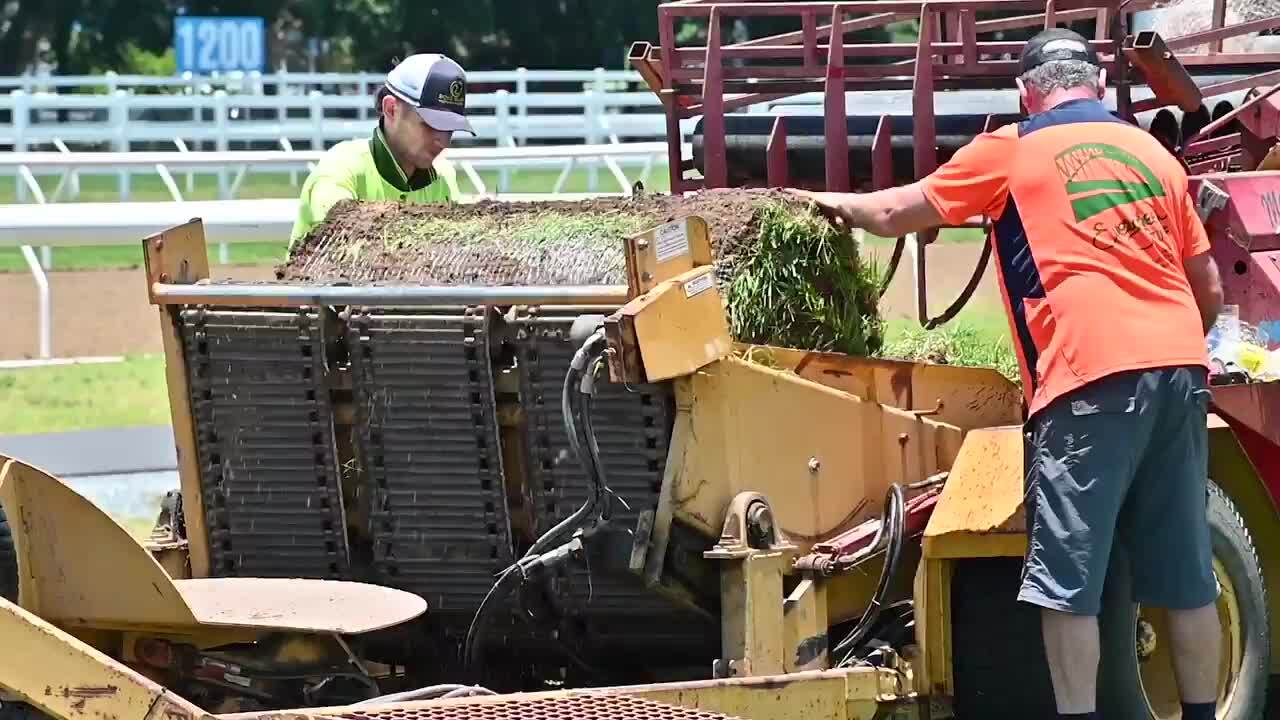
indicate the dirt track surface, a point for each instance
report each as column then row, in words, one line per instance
column 94, row 313
column 107, row 313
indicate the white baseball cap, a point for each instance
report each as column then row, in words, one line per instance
column 436, row 87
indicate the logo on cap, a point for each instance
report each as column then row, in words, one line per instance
column 1064, row 44
column 457, row 94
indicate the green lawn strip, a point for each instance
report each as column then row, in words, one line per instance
column 948, row 235
column 128, row 257
column 978, row 337
column 63, row 398
column 132, row 393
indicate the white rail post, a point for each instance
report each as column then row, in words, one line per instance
column 317, row 119
column 502, row 116
column 21, row 120
column 28, row 179
column 224, row 186
column 119, row 118
column 42, row 289
column 522, row 103
column 595, row 108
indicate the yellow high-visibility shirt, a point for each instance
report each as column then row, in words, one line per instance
column 366, row 170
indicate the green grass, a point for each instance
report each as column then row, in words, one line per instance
column 527, row 230
column 128, row 257
column 268, row 251
column 976, row 337
column 802, row 284
column 84, row 397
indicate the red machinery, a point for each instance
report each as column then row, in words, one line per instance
column 881, row 121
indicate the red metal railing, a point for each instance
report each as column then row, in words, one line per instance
column 954, row 51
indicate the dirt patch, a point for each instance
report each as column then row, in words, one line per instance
column 544, row 243
column 93, row 312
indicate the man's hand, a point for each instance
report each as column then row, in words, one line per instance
column 833, row 205
column 887, row 213
column 1206, row 285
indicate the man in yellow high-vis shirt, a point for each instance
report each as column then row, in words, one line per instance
column 423, row 102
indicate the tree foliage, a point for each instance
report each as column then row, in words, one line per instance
column 81, row 36
column 78, row 36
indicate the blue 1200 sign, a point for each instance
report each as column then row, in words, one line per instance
column 219, row 44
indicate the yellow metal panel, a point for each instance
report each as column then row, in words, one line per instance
column 66, row 678
column 77, row 565
column 933, row 627
column 680, row 325
column 179, row 255
column 983, row 494
column 751, row 618
column 967, row 397
column 821, row 476
column 805, row 624
column 666, row 251
column 849, row 594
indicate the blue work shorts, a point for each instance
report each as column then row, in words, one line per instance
column 1122, row 461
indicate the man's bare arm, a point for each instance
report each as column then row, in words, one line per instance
column 1202, row 272
column 888, row 213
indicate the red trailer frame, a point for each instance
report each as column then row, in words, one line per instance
column 1224, row 154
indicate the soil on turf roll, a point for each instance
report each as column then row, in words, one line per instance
column 788, row 276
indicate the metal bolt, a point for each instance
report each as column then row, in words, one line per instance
column 642, row 244
column 814, row 464
column 164, row 277
column 160, row 244
column 646, row 276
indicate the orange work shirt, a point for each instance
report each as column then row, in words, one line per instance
column 1092, row 221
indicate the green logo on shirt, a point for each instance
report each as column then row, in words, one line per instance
column 1091, row 176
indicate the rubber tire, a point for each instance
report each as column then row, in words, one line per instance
column 8, row 563
column 998, row 660
column 1119, row 688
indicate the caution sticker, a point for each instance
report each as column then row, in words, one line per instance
column 672, row 241
column 698, row 285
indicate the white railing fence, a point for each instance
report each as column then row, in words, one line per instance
column 45, row 224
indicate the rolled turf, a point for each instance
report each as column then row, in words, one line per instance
column 787, row 275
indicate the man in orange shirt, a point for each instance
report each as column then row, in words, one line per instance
column 1110, row 289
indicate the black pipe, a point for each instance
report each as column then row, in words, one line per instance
column 893, row 528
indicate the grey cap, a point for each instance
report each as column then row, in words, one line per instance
column 436, row 86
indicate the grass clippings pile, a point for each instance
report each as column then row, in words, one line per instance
column 788, row 276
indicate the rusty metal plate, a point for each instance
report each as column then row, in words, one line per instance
column 428, row 441
column 573, row 707
column 265, row 441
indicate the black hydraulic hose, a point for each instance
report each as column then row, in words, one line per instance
column 473, row 633
column 894, row 529
column 582, row 359
column 595, row 467
column 578, row 384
